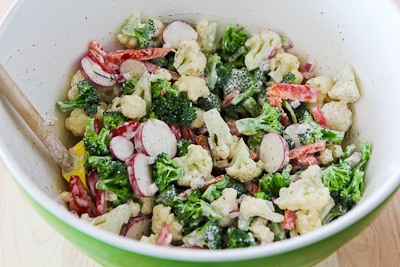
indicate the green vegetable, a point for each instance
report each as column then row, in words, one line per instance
column 235, row 79
column 239, row 239
column 113, row 177
column 337, row 211
column 251, row 106
column 270, row 184
column 213, row 61
column 336, row 177
column 268, row 120
column 170, row 106
column 183, row 147
column 209, row 235
column 232, row 46
column 168, row 197
column 87, row 99
column 112, row 119
column 262, row 195
column 166, row 62
column 257, row 87
column 289, row 78
column 214, row 191
column 129, row 86
column 165, row 171
column 210, row 102
column 144, row 32
column 254, row 141
column 278, row 230
column 289, row 110
column 96, row 144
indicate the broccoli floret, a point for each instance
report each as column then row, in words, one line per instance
column 87, row 99
column 270, row 184
column 262, row 195
column 316, row 132
column 96, row 144
column 210, row 102
column 144, row 32
column 209, row 235
column 350, row 195
column 268, row 120
column 112, row 119
column 170, row 106
column 168, row 197
column 237, row 79
column 278, row 230
column 232, row 46
column 289, row 78
column 336, row 177
column 337, row 211
column 166, row 62
column 239, row 239
column 254, row 141
column 288, row 108
column 213, row 61
column 251, row 106
column 214, row 191
column 183, row 147
column 301, row 112
column 193, row 211
column 113, row 177
column 129, row 86
column 165, row 171
column 257, row 87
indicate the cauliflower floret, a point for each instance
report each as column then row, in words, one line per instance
column 152, row 239
column 100, row 110
column 146, row 204
column 73, row 92
column 306, row 193
column 107, row 94
column 324, row 84
column 222, row 140
column 193, row 87
column 189, row 60
column 261, row 231
column 261, row 45
column 143, row 87
column 116, row 104
column 225, row 204
column 345, row 88
column 337, row 150
column 338, row 115
column 76, row 122
column 309, row 220
column 207, row 35
column 252, row 207
column 113, row 220
column 282, row 64
column 133, row 107
column 162, row 215
column 242, row 167
column 159, row 32
column 196, row 163
column 198, row 122
column 162, row 74
column 325, row 156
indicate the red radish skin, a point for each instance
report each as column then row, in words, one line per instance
column 229, row 98
column 154, row 137
column 176, row 130
column 136, row 67
column 165, row 236
column 319, row 117
column 126, row 130
column 139, row 172
column 234, row 214
column 101, row 202
column 121, row 148
column 274, row 152
column 289, row 220
column 178, row 31
column 119, row 56
column 81, row 203
column 307, row 150
column 95, row 74
column 96, row 53
column 92, row 178
column 136, row 228
column 303, row 93
column 291, row 131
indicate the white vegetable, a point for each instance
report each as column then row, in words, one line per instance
column 252, row 207
column 133, row 106
column 146, row 204
column 136, row 67
column 325, row 156
column 95, row 74
column 196, row 163
column 113, row 220
column 324, row 85
column 78, row 76
column 139, row 172
column 207, row 35
column 291, row 131
column 162, row 215
column 224, row 205
column 136, row 228
column 193, row 87
column 338, row 115
column 121, row 147
column 76, row 122
column 274, row 152
column 242, row 167
column 282, row 64
column 178, row 31
column 198, row 122
column 143, row 89
column 261, row 45
column 261, row 231
column 345, row 88
column 189, row 60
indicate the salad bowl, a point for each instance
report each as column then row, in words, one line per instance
column 42, row 59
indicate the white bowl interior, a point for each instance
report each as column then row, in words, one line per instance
column 42, row 57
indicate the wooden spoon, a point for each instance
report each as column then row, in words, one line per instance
column 58, row 152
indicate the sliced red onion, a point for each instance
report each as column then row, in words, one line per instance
column 234, row 214
column 123, row 77
column 271, row 52
column 285, row 43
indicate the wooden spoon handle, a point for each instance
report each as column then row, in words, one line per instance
column 23, row 106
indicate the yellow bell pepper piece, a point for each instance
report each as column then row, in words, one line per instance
column 78, row 153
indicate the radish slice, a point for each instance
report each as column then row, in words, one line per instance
column 274, row 152
column 136, row 67
column 95, row 74
column 165, row 236
column 121, row 148
column 291, row 130
column 153, row 68
column 154, row 137
column 136, row 228
column 139, row 173
column 177, row 31
column 126, row 130
column 101, row 202
column 92, row 178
